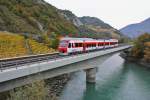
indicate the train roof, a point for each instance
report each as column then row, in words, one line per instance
column 86, row 39
column 68, row 38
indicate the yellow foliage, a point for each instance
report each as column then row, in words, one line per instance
column 141, row 44
column 147, row 52
column 39, row 48
column 12, row 45
column 147, row 44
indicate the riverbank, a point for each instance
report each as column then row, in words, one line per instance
column 126, row 55
column 56, row 85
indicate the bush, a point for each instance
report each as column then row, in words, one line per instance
column 33, row 91
column 139, row 47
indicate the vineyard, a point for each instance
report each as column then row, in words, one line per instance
column 39, row 48
column 12, row 45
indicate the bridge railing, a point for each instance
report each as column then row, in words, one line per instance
column 16, row 61
column 27, row 60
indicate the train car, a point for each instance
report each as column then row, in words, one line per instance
column 78, row 45
column 70, row 45
column 90, row 44
column 113, row 42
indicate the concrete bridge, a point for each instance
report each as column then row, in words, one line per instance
column 15, row 77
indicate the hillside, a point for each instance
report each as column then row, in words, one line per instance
column 32, row 17
column 135, row 30
column 86, row 20
column 40, row 20
column 91, row 26
column 12, row 45
column 39, row 25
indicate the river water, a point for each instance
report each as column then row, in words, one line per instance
column 115, row 80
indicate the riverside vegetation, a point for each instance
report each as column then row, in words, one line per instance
column 141, row 50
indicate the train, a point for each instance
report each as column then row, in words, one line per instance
column 81, row 45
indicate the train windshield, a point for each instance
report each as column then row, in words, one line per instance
column 63, row 43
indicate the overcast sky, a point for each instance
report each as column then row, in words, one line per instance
column 117, row 13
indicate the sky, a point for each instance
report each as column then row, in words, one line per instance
column 117, row 13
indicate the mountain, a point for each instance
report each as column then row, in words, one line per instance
column 40, row 20
column 33, row 17
column 135, row 30
column 91, row 26
column 86, row 20
column 35, row 26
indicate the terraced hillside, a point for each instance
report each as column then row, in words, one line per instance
column 12, row 45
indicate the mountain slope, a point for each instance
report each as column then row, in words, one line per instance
column 135, row 30
column 33, row 17
column 86, row 20
column 91, row 26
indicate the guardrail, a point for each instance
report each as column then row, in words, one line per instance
column 15, row 62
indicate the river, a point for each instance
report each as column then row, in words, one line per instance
column 115, row 80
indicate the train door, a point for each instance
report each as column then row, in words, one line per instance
column 84, row 46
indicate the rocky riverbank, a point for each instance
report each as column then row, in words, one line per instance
column 56, row 85
column 127, row 56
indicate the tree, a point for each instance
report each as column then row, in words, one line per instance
column 139, row 47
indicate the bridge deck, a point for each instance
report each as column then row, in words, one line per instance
column 25, row 70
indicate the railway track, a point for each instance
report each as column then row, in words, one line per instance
column 27, row 60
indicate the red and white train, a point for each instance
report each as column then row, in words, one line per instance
column 78, row 45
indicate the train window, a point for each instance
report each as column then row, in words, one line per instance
column 76, row 44
column 81, row 44
column 69, row 46
column 88, row 45
column 63, row 44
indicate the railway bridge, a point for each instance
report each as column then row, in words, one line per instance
column 16, row 72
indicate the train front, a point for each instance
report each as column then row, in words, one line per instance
column 63, row 47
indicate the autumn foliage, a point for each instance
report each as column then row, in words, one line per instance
column 13, row 45
column 141, row 48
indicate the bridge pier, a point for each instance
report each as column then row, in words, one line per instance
column 91, row 75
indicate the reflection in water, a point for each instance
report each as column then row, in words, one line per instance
column 115, row 80
column 90, row 90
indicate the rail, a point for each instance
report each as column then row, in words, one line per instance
column 16, row 62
